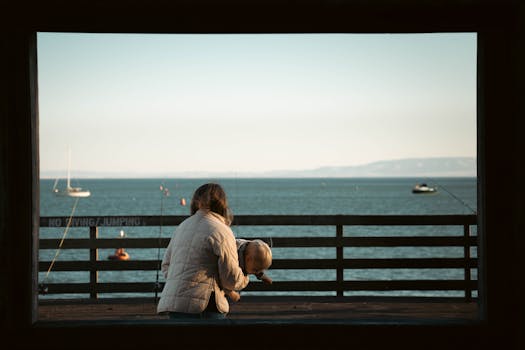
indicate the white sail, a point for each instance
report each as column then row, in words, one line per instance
column 68, row 168
column 55, row 185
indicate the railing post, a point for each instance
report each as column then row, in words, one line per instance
column 339, row 258
column 93, row 257
column 466, row 255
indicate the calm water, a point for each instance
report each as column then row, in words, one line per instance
column 269, row 196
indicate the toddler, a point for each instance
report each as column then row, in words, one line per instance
column 254, row 257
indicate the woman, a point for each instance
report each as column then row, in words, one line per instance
column 201, row 260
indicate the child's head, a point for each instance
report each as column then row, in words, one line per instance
column 257, row 256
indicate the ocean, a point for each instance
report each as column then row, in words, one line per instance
column 266, row 196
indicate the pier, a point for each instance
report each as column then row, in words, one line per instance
column 340, row 305
column 279, row 309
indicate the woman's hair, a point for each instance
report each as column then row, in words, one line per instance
column 212, row 197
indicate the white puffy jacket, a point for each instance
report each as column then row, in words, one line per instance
column 201, row 258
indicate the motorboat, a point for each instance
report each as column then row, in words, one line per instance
column 423, row 188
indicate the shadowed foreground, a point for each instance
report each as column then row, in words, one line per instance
column 277, row 308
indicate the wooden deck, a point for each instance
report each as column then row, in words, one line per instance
column 297, row 309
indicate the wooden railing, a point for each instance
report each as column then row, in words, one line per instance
column 338, row 241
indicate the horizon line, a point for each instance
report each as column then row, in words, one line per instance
column 278, row 173
column 268, row 177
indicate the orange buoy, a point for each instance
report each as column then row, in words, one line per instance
column 182, row 201
column 120, row 254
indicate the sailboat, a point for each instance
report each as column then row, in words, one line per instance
column 70, row 191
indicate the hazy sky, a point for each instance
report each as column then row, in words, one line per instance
column 171, row 103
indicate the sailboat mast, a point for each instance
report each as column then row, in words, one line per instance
column 68, row 168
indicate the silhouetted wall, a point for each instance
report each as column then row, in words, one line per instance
column 501, row 113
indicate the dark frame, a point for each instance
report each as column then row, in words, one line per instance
column 501, row 115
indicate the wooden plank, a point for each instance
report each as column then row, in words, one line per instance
column 277, row 264
column 273, row 308
column 417, row 263
column 135, row 265
column 93, row 256
column 278, row 242
column 387, row 285
column 112, row 221
column 384, row 16
column 413, row 241
column 81, row 243
column 428, row 241
column 19, row 175
column 466, row 255
column 422, row 285
column 303, row 242
column 356, row 220
column 83, row 288
column 339, row 260
column 267, row 220
column 303, row 286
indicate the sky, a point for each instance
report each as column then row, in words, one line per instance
column 169, row 103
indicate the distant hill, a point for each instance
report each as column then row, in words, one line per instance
column 444, row 166
column 410, row 167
